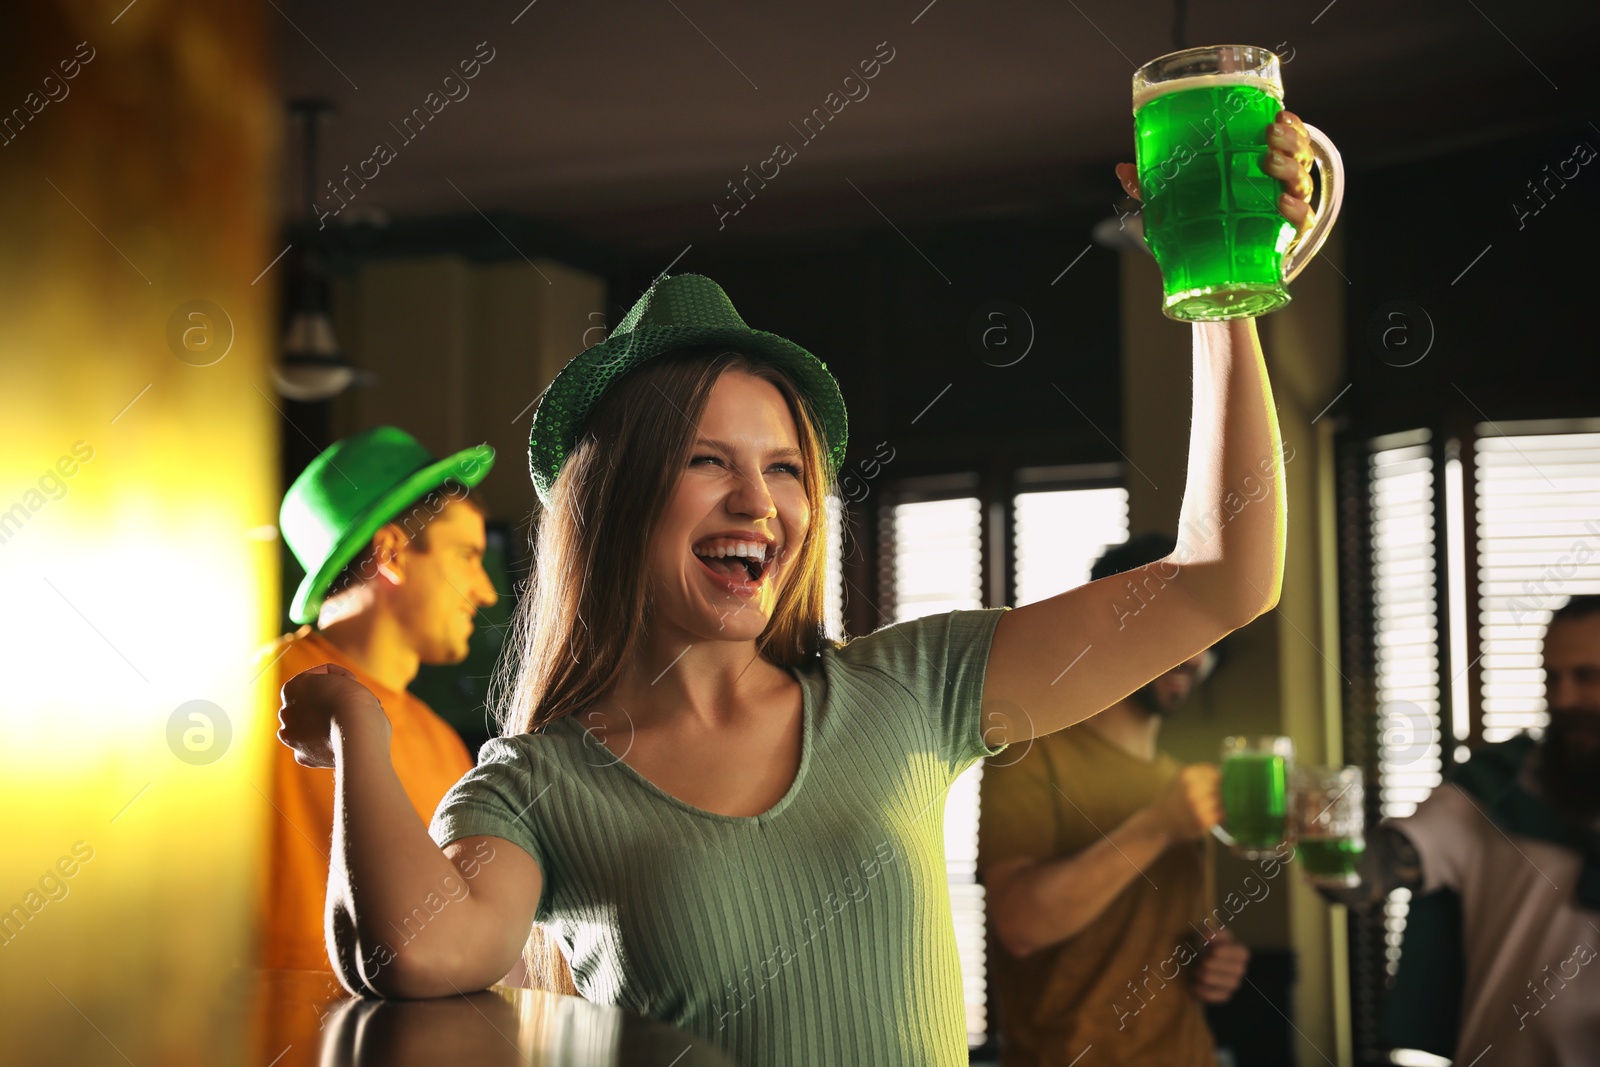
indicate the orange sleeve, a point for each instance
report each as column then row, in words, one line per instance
column 300, row 807
column 297, row 868
column 429, row 757
column 428, row 754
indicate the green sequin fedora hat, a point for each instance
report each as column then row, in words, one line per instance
column 355, row 487
column 680, row 310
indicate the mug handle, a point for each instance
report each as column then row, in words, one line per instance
column 1331, row 196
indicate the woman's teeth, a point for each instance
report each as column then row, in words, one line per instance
column 739, row 560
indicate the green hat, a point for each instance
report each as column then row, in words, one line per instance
column 685, row 309
column 350, row 491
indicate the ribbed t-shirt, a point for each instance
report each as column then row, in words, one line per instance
column 818, row 932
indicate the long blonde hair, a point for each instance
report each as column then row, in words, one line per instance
column 589, row 604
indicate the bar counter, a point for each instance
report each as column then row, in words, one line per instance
column 306, row 1019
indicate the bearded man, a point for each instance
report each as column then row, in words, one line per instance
column 1503, row 864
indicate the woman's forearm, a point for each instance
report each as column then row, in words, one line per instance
column 340, row 931
column 1231, row 528
column 387, row 877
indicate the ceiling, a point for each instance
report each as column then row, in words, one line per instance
column 623, row 123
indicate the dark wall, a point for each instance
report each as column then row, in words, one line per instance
column 1470, row 299
column 895, row 323
column 967, row 321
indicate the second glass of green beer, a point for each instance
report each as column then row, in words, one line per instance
column 1329, row 823
column 1255, row 793
column 1210, row 214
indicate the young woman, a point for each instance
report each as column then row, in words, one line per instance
column 728, row 822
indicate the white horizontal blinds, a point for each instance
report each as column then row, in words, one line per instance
column 938, row 554
column 938, row 557
column 833, row 603
column 1405, row 598
column 1059, row 535
column 1538, row 543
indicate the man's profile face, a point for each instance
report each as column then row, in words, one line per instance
column 443, row 585
column 1171, row 691
column 1572, row 685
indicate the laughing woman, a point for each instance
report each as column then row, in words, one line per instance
column 725, row 820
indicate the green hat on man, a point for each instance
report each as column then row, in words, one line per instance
column 354, row 488
column 680, row 310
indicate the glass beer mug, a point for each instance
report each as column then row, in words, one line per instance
column 1255, row 794
column 1210, row 216
column 1329, row 823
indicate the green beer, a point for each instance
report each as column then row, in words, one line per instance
column 1332, row 860
column 1328, row 813
column 1211, row 213
column 1255, row 799
column 1210, row 216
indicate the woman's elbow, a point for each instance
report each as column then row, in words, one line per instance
column 1249, row 599
column 1274, row 594
column 410, row 974
column 1262, row 600
column 411, row 984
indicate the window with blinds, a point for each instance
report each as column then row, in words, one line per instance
column 833, row 605
column 938, row 557
column 1405, row 605
column 1458, row 546
column 1538, row 525
column 936, row 562
column 1059, row 535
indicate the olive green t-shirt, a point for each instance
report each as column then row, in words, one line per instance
column 1120, row 984
column 818, row 932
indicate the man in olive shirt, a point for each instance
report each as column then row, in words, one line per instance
column 1092, row 850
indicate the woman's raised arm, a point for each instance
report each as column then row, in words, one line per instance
column 405, row 917
column 1060, row 660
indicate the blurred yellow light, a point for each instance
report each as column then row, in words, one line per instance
column 134, row 481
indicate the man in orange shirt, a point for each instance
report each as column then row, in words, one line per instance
column 392, row 542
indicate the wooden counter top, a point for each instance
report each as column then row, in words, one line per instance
column 306, row 1019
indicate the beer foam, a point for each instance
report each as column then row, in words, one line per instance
column 1244, row 80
